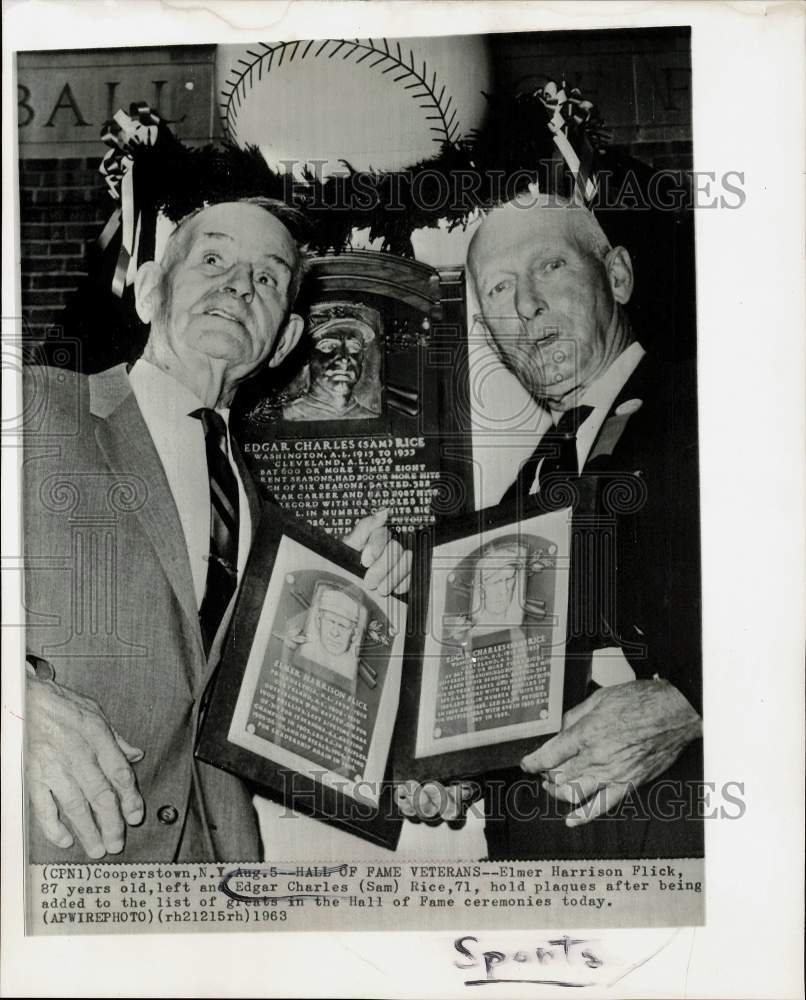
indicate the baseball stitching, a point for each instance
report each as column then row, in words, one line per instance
column 441, row 115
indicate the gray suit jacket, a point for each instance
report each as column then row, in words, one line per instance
column 110, row 604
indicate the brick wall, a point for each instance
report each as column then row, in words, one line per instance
column 63, row 207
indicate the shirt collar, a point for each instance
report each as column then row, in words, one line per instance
column 604, row 390
column 162, row 397
column 602, row 393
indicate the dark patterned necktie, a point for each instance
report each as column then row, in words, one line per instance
column 222, row 565
column 558, row 451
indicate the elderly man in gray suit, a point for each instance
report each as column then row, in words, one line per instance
column 139, row 516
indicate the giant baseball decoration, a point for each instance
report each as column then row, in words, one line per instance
column 377, row 103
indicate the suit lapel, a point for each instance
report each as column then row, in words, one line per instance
column 631, row 399
column 126, row 444
column 609, row 434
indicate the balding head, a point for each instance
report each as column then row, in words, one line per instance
column 542, row 211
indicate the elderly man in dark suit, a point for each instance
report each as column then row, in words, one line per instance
column 623, row 452
column 139, row 515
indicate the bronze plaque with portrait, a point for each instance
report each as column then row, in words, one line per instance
column 485, row 666
column 366, row 413
column 305, row 700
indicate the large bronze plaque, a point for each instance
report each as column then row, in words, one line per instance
column 364, row 415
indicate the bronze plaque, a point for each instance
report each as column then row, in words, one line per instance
column 364, row 415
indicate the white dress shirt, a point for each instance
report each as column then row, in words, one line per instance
column 601, row 395
column 166, row 406
column 609, row 665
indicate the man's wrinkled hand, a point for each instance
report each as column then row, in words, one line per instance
column 388, row 563
column 434, row 802
column 78, row 770
column 618, row 738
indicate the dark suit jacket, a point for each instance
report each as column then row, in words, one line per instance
column 110, row 604
column 635, row 583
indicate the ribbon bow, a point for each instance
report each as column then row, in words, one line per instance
column 125, row 134
column 573, row 120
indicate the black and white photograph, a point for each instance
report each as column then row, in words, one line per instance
column 380, row 321
column 382, row 426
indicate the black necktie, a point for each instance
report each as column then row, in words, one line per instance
column 558, row 450
column 222, row 565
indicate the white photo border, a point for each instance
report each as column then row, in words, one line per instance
column 748, row 110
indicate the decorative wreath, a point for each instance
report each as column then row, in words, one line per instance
column 552, row 137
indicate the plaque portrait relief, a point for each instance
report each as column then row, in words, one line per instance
column 341, row 379
column 498, row 588
column 333, row 631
